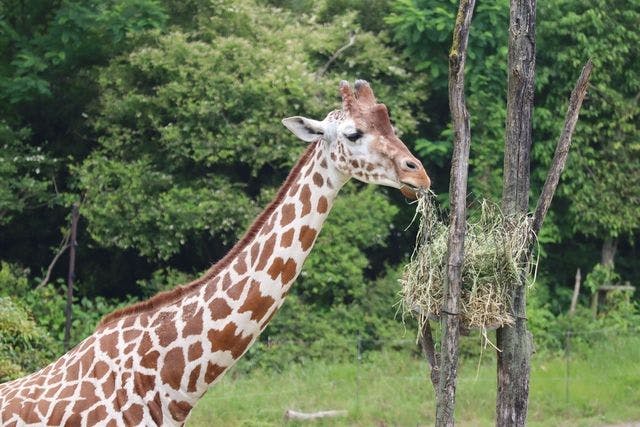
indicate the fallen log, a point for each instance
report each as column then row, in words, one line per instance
column 290, row 414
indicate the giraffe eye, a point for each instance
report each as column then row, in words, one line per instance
column 353, row 137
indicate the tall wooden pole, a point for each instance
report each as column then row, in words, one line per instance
column 71, row 275
column 515, row 341
column 446, row 390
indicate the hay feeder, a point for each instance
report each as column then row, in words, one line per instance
column 495, row 259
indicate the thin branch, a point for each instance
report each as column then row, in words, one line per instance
column 325, row 67
column 64, row 245
column 428, row 348
column 562, row 148
column 457, row 227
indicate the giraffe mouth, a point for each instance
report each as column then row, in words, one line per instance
column 411, row 191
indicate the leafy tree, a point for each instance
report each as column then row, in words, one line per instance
column 423, row 28
column 193, row 123
column 602, row 181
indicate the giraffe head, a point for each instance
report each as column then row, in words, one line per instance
column 363, row 143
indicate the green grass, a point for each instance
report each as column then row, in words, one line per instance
column 392, row 388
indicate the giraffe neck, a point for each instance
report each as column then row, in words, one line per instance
column 224, row 317
column 190, row 343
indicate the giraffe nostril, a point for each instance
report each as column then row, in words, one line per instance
column 410, row 165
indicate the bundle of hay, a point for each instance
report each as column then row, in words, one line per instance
column 495, row 257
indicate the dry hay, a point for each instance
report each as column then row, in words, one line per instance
column 495, row 259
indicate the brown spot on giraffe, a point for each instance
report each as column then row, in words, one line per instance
column 57, row 413
column 150, row 360
column 143, row 384
column 256, row 303
column 323, row 205
column 268, row 226
column 193, row 324
column 310, row 168
column 96, row 415
column 165, row 328
column 226, row 282
column 173, row 367
column 108, row 344
column 236, row 290
column 240, row 265
column 267, row 250
column 120, row 398
column 288, row 214
column 195, row 351
column 255, row 251
column 219, row 309
column 43, row 406
column 193, row 379
column 155, row 409
column 179, row 410
column 211, row 288
column 307, row 237
column 213, row 372
column 318, row 180
column 287, row 238
column 329, row 183
column 228, row 339
column 305, row 198
column 133, row 414
column 293, row 190
column 109, row 384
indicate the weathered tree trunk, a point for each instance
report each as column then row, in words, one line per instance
column 446, row 390
column 515, row 341
column 609, row 249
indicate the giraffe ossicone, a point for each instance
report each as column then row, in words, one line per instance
column 148, row 364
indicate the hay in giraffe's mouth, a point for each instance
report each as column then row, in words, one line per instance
column 412, row 192
column 495, row 259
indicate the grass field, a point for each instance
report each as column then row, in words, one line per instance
column 392, row 389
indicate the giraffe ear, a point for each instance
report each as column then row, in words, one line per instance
column 307, row 130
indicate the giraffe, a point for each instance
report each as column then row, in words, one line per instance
column 149, row 363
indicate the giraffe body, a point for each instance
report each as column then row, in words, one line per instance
column 150, row 363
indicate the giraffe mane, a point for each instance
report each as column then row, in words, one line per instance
column 173, row 295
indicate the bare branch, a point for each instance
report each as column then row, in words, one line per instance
column 428, row 348
column 325, row 67
column 457, row 226
column 64, row 245
column 562, row 148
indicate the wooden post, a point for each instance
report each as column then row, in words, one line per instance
column 457, row 224
column 71, row 274
column 515, row 341
column 576, row 293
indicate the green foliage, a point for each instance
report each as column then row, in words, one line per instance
column 23, row 170
column 424, row 29
column 23, row 344
column 602, row 180
column 301, row 331
column 600, row 275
